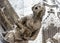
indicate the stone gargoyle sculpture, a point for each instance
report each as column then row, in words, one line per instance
column 18, row 30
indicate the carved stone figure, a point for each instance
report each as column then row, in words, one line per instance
column 20, row 30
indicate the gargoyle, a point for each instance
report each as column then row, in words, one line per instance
column 23, row 29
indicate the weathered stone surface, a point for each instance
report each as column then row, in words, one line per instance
column 20, row 30
column 49, row 33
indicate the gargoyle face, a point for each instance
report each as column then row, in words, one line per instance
column 37, row 8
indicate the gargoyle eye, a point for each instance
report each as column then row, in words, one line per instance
column 36, row 7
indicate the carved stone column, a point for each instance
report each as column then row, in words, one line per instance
column 8, row 18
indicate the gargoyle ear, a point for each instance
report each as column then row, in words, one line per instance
column 32, row 8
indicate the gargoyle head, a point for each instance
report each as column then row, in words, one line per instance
column 38, row 10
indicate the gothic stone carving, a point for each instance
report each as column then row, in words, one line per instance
column 49, row 33
column 17, row 30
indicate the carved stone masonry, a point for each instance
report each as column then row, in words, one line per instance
column 20, row 30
